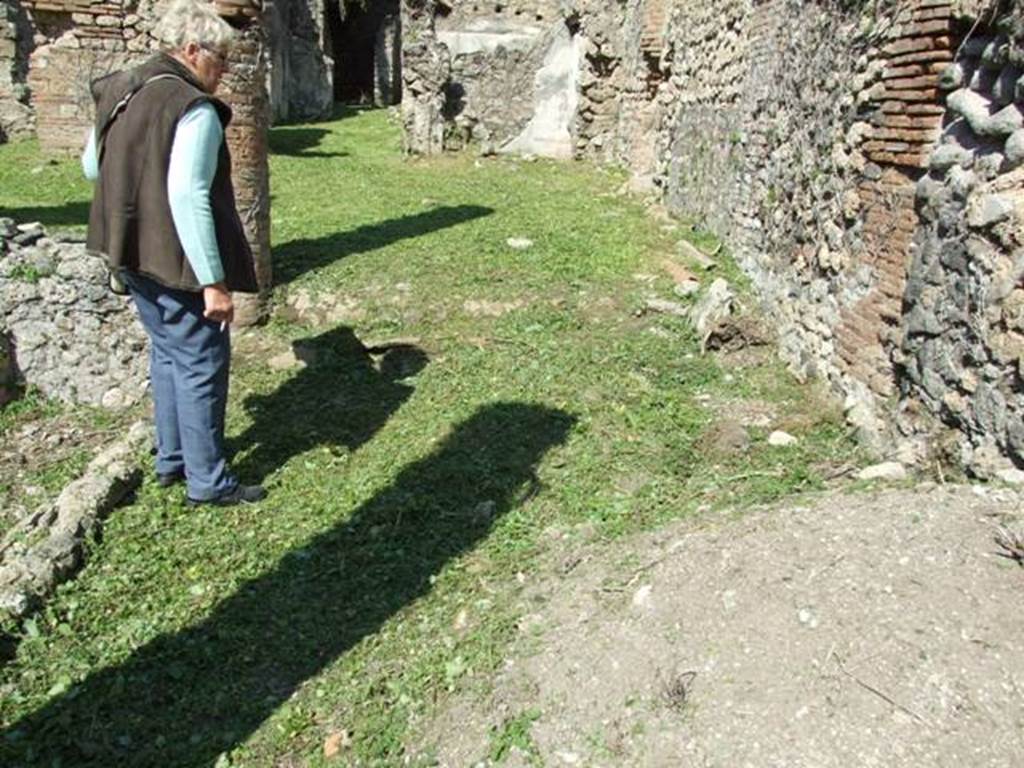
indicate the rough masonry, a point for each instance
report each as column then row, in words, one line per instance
column 62, row 327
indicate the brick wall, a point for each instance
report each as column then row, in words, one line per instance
column 77, row 41
column 904, row 127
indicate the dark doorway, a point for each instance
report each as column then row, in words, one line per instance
column 364, row 44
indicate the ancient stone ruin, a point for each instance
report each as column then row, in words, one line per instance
column 861, row 158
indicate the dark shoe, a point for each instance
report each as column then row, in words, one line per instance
column 242, row 494
column 167, row 479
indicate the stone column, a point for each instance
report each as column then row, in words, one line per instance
column 387, row 63
column 244, row 87
column 426, row 67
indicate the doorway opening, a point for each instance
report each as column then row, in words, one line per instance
column 365, row 42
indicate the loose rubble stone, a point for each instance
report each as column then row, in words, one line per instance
column 781, row 439
column 948, row 155
column 686, row 288
column 47, row 548
column 888, row 470
column 712, row 308
column 666, row 307
column 1014, row 150
column 989, row 210
column 1011, row 476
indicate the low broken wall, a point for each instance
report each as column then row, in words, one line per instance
column 69, row 336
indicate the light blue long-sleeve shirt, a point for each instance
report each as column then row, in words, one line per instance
column 190, row 173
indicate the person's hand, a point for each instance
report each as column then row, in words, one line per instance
column 218, row 304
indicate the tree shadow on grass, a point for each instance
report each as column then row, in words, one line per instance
column 300, row 142
column 341, row 398
column 184, row 698
column 72, row 214
column 299, row 256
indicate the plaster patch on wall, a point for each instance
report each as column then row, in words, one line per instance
column 487, row 35
column 556, row 97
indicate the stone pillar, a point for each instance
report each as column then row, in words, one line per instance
column 426, row 67
column 244, row 88
column 387, row 63
column 301, row 69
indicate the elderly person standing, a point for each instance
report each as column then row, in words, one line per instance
column 164, row 214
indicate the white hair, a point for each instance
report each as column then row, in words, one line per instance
column 193, row 21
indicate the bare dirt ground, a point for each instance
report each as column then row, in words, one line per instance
column 870, row 629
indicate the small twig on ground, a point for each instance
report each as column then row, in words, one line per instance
column 818, row 571
column 624, row 585
column 748, row 475
column 1012, row 543
column 845, row 469
column 644, row 568
column 939, row 472
column 880, row 694
column 571, row 563
column 676, row 689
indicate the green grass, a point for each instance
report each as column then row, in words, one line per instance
column 49, row 190
column 408, row 489
column 514, row 734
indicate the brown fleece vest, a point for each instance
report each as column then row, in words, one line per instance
column 130, row 219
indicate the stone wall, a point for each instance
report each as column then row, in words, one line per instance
column 963, row 333
column 510, row 75
column 69, row 336
column 775, row 126
column 76, row 42
column 16, row 117
column 804, row 135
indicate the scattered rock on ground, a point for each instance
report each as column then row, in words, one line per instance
column 1011, row 476
column 666, row 307
column 887, row 470
column 781, row 439
column 711, row 309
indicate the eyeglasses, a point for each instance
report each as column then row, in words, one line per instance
column 219, row 56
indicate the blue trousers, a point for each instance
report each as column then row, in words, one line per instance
column 189, row 363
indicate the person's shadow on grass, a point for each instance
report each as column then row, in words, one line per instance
column 186, row 697
column 343, row 395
